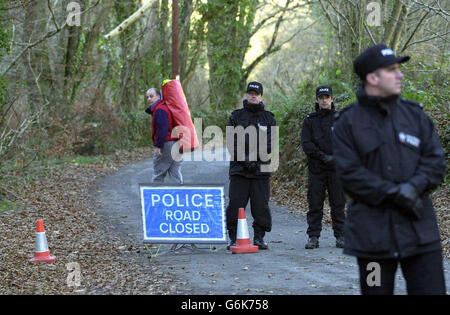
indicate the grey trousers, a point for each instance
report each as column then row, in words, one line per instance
column 166, row 164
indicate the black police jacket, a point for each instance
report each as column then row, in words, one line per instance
column 377, row 144
column 316, row 138
column 250, row 150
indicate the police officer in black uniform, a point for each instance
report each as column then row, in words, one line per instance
column 249, row 175
column 316, row 143
column 388, row 157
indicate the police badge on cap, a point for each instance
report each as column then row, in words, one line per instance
column 375, row 57
column 324, row 90
column 255, row 86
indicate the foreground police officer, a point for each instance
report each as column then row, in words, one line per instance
column 248, row 180
column 388, row 157
column 316, row 143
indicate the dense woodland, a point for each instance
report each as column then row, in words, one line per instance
column 66, row 90
column 72, row 103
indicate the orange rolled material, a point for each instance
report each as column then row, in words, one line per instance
column 184, row 130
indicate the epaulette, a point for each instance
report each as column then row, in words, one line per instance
column 338, row 114
column 310, row 115
column 412, row 102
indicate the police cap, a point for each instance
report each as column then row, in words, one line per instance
column 374, row 57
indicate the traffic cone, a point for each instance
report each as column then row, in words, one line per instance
column 243, row 243
column 42, row 253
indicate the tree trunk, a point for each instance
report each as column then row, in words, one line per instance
column 127, row 45
column 229, row 32
column 164, row 38
column 392, row 25
column 185, row 34
column 33, row 26
column 399, row 29
column 224, row 67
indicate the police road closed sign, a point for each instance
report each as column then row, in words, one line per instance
column 183, row 213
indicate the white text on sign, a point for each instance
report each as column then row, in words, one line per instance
column 195, row 200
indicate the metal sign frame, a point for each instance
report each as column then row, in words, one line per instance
column 179, row 239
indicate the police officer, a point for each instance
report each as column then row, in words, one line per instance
column 249, row 177
column 316, row 143
column 388, row 157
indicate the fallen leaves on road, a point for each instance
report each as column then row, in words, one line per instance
column 61, row 195
column 108, row 263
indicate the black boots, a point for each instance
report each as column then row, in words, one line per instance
column 260, row 243
column 313, row 242
column 231, row 243
column 340, row 242
column 258, row 239
column 232, row 236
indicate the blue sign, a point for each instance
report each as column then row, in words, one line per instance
column 183, row 213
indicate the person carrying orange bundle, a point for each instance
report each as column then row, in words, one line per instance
column 162, row 125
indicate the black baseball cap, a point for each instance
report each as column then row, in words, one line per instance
column 324, row 90
column 255, row 86
column 374, row 57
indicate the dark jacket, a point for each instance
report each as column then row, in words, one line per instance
column 316, row 138
column 247, row 161
column 377, row 144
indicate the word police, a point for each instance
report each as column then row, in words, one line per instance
column 196, row 200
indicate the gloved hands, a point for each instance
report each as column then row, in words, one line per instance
column 327, row 159
column 406, row 197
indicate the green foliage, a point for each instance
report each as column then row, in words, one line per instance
column 152, row 74
column 3, row 96
column 5, row 33
column 291, row 109
column 214, row 38
column 136, row 130
column 211, row 117
column 5, row 38
column 6, row 205
column 229, row 32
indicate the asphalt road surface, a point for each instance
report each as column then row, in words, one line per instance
column 285, row 268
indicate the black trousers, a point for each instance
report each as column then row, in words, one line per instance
column 423, row 273
column 317, row 185
column 258, row 191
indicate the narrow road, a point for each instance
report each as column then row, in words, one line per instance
column 286, row 268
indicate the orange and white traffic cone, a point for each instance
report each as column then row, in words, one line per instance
column 243, row 243
column 42, row 253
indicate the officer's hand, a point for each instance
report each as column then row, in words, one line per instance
column 406, row 195
column 408, row 200
column 328, row 159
